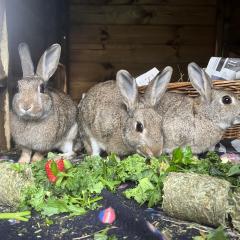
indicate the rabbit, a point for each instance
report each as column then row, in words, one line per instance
column 197, row 122
column 42, row 119
column 114, row 117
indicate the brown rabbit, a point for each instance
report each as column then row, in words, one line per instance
column 42, row 119
column 115, row 118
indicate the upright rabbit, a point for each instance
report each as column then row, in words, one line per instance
column 197, row 122
column 114, row 118
column 42, row 119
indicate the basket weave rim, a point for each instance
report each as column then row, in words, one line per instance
column 187, row 83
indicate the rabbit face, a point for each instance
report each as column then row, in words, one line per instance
column 222, row 107
column 32, row 100
column 142, row 131
column 226, row 108
column 140, row 134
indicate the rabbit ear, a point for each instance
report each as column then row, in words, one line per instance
column 26, row 60
column 158, row 86
column 48, row 63
column 200, row 81
column 128, row 88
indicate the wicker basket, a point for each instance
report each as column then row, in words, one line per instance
column 186, row 88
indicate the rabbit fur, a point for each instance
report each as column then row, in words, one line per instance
column 114, row 117
column 42, row 119
column 197, row 122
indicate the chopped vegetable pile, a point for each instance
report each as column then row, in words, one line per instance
column 77, row 188
column 61, row 187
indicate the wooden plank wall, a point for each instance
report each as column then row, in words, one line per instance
column 231, row 29
column 108, row 35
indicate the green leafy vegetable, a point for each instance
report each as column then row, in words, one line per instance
column 234, row 170
column 141, row 192
column 217, row 234
column 79, row 187
column 21, row 216
column 102, row 235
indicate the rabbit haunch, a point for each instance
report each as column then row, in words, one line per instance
column 197, row 122
column 114, row 118
column 42, row 119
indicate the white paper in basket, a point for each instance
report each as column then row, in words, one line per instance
column 147, row 77
column 223, row 68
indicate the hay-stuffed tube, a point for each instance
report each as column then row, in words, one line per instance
column 235, row 209
column 195, row 197
column 12, row 184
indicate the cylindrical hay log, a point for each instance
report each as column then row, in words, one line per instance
column 235, row 211
column 195, row 197
column 12, row 183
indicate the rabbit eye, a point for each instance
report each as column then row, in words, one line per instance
column 227, row 100
column 42, row 88
column 139, row 127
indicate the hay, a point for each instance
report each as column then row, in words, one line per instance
column 235, row 210
column 195, row 197
column 12, row 183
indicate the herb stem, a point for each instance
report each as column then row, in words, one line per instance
column 21, row 216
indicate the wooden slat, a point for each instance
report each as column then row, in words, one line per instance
column 234, row 33
column 134, row 34
column 220, row 28
column 235, row 15
column 145, row 2
column 106, row 36
column 78, row 89
column 104, row 71
column 82, row 76
column 144, row 14
column 141, row 54
column 235, row 3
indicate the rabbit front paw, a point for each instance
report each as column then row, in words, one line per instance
column 37, row 157
column 25, row 156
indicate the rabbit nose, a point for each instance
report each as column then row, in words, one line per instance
column 26, row 108
column 145, row 151
column 149, row 152
column 156, row 150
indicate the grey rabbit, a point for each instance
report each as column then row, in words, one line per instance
column 197, row 122
column 114, row 117
column 42, row 119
